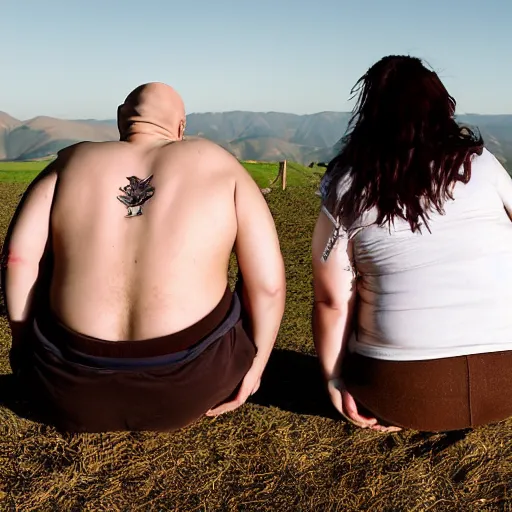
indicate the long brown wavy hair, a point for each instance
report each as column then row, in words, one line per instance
column 403, row 148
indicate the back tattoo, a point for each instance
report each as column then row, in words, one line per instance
column 136, row 194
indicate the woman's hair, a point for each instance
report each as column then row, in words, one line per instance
column 403, row 148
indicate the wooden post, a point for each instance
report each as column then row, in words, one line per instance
column 282, row 172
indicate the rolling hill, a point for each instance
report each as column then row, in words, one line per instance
column 264, row 136
column 44, row 136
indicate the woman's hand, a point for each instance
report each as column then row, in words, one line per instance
column 345, row 404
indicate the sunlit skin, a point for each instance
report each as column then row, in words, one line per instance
column 148, row 275
column 13, row 259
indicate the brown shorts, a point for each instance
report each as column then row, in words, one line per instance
column 162, row 384
column 434, row 395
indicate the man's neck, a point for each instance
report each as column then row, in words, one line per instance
column 146, row 139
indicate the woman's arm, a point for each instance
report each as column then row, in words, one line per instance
column 334, row 287
column 334, row 296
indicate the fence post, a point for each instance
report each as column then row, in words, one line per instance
column 282, row 172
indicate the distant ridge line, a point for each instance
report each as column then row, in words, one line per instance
column 270, row 136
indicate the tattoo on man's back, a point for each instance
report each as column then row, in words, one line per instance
column 136, row 194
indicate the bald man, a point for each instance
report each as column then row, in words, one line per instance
column 115, row 277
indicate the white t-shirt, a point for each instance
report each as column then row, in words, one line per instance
column 441, row 294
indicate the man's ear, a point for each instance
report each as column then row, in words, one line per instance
column 181, row 130
column 119, row 126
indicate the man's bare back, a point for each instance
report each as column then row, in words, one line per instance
column 140, row 234
column 119, row 278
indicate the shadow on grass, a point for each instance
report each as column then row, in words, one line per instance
column 13, row 398
column 292, row 382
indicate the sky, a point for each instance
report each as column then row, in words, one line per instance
column 78, row 59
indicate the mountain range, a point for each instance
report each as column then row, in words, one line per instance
column 263, row 136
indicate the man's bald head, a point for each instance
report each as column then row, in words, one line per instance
column 154, row 109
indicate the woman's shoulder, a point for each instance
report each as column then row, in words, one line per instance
column 487, row 166
column 342, row 184
column 485, row 160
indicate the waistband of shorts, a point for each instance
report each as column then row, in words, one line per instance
column 49, row 325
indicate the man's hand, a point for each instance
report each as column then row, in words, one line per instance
column 249, row 386
column 344, row 402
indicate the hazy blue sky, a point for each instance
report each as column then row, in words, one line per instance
column 79, row 59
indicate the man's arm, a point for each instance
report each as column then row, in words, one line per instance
column 264, row 287
column 24, row 248
column 261, row 265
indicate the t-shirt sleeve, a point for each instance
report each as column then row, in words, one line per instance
column 324, row 187
column 502, row 182
column 339, row 233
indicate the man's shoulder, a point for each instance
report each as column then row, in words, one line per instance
column 76, row 155
column 212, row 156
column 207, row 145
column 83, row 146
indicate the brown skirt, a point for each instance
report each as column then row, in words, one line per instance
column 163, row 384
column 433, row 395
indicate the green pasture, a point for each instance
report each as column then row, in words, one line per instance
column 264, row 173
column 21, row 172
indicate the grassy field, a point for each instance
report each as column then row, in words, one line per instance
column 21, row 172
column 263, row 173
column 286, row 450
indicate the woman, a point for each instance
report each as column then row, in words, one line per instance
column 412, row 262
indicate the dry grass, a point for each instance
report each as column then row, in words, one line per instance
column 285, row 451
